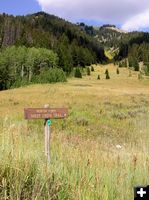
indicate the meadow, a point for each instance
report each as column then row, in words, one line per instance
column 99, row 152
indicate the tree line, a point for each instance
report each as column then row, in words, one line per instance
column 136, row 50
column 21, row 65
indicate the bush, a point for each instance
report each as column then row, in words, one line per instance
column 92, row 69
column 20, row 82
column 78, row 73
column 88, row 71
column 146, row 68
column 133, row 62
column 120, row 115
column 120, row 64
column 123, row 63
column 52, row 75
column 98, row 77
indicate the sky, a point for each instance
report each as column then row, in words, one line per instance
column 127, row 14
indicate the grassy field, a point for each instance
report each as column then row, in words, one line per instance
column 99, row 152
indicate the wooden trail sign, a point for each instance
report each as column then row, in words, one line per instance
column 46, row 113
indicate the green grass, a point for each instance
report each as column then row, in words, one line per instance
column 99, row 152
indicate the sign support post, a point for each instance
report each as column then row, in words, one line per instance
column 47, row 137
column 46, row 113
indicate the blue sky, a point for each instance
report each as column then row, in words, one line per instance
column 19, row 7
column 127, row 14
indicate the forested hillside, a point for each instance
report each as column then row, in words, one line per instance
column 115, row 40
column 136, row 49
column 47, row 31
column 109, row 36
column 66, row 41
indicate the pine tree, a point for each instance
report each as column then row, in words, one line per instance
column 88, row 71
column 107, row 74
column 92, row 69
column 125, row 63
column 78, row 73
column 136, row 65
column 98, row 77
column 117, row 71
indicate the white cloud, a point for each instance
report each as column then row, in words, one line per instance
column 137, row 22
column 124, row 12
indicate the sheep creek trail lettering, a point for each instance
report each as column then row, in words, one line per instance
column 45, row 113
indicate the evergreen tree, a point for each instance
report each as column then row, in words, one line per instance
column 88, row 71
column 107, row 74
column 78, row 73
column 117, row 71
column 125, row 63
column 136, row 65
column 130, row 60
column 98, row 77
column 92, row 69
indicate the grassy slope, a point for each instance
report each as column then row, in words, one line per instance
column 99, row 152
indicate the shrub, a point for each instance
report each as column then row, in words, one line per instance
column 140, row 76
column 78, row 73
column 120, row 64
column 146, row 68
column 52, row 75
column 92, row 69
column 120, row 115
column 19, row 82
column 98, row 77
column 88, row 71
column 136, row 65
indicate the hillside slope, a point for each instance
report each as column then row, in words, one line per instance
column 48, row 31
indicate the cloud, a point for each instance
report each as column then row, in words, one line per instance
column 138, row 22
column 106, row 11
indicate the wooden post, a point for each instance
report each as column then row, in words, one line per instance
column 46, row 113
column 47, row 137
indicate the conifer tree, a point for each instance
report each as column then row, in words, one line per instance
column 117, row 71
column 78, row 73
column 92, row 69
column 107, row 74
column 98, row 77
column 136, row 65
column 88, row 71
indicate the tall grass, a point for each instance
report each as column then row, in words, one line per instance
column 99, row 152
column 81, row 168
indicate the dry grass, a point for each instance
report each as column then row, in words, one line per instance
column 99, row 152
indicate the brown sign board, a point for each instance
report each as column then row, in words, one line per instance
column 45, row 113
